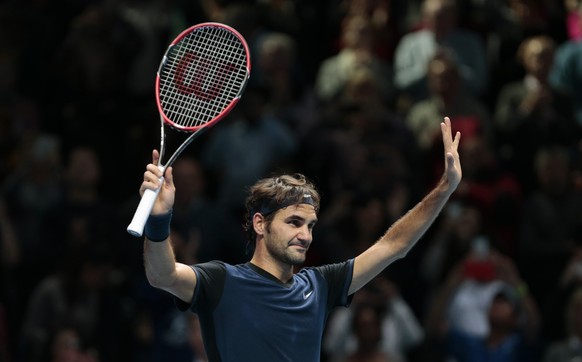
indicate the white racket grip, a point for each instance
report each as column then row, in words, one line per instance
column 143, row 211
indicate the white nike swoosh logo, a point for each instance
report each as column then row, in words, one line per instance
column 305, row 296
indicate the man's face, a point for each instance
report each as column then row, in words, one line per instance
column 502, row 313
column 440, row 18
column 288, row 237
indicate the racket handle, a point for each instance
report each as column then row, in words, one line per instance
column 142, row 213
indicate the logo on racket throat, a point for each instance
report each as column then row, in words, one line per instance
column 189, row 81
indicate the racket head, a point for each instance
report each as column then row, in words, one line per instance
column 202, row 76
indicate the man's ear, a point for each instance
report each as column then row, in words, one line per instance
column 259, row 224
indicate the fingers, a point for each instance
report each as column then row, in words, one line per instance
column 153, row 169
column 457, row 139
column 151, row 178
column 447, row 132
column 447, row 121
column 169, row 177
column 155, row 157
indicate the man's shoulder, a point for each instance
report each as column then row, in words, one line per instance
column 212, row 267
column 326, row 269
column 211, row 264
column 569, row 48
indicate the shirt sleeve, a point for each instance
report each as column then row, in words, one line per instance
column 338, row 277
column 210, row 279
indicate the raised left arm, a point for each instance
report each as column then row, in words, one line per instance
column 405, row 232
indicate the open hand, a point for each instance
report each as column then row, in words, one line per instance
column 453, row 173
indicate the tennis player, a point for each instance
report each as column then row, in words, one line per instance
column 262, row 310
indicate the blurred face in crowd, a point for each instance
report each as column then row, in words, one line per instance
column 477, row 156
column 439, row 17
column 362, row 88
column 367, row 327
column 370, row 216
column 443, row 78
column 83, row 168
column 537, row 56
column 468, row 223
column 553, row 170
column 358, row 33
column 502, row 313
column 277, row 54
column 189, row 179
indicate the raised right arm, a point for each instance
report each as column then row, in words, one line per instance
column 161, row 268
column 163, row 272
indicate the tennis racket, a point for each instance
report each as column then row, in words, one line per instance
column 200, row 79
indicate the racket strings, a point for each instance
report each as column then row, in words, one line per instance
column 203, row 73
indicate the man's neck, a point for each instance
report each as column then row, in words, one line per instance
column 281, row 271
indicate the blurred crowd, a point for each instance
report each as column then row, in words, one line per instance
column 348, row 92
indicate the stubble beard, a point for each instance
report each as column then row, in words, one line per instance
column 285, row 254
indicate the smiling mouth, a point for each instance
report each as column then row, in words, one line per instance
column 299, row 246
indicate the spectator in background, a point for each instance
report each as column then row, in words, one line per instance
column 84, row 213
column 495, row 191
column 90, row 90
column 550, row 227
column 33, row 191
column 357, row 52
column 385, row 19
column 244, row 16
column 363, row 150
column 512, row 316
column 439, row 30
column 569, row 348
column 30, row 195
column 67, row 345
column 73, row 295
column 566, row 72
column 447, row 95
column 193, row 200
column 532, row 113
column 466, row 306
column 153, row 24
column 289, row 95
column 251, row 144
column 20, row 114
column 391, row 330
column 360, row 127
column 367, row 214
column 573, row 19
column 277, row 71
column 459, row 227
column 368, row 331
column 196, row 218
column 557, row 328
column 509, row 24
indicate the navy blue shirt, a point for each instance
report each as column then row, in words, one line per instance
column 246, row 314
